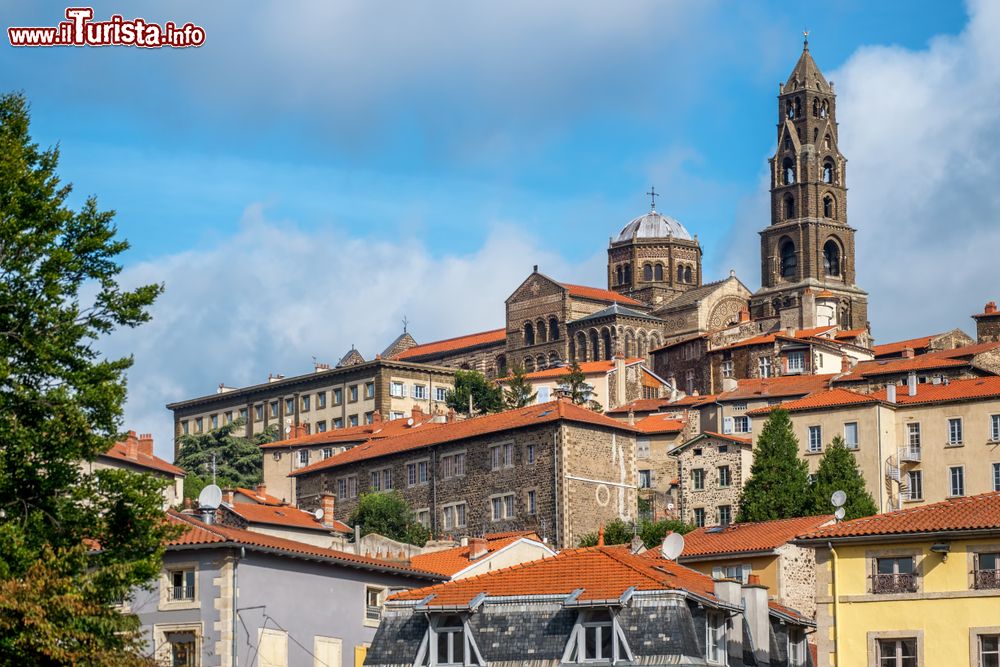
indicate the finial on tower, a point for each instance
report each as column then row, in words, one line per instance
column 805, row 39
column 406, row 323
column 652, row 198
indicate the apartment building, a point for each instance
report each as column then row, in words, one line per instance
column 329, row 398
column 135, row 454
column 711, row 471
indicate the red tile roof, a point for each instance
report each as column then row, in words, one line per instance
column 354, row 434
column 725, row 436
column 588, row 368
column 777, row 387
column 954, row 358
column 260, row 499
column 533, row 415
column 598, row 294
column 850, row 333
column 740, row 538
column 285, row 516
column 801, row 334
column 199, row 533
column 833, row 398
column 491, row 337
column 971, row 513
column 955, row 390
column 898, row 346
column 119, row 452
column 661, row 404
column 660, row 424
column 452, row 561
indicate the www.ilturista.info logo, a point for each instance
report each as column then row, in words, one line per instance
column 81, row 30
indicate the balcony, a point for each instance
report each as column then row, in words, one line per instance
column 373, row 613
column 909, row 455
column 883, row 584
column 987, row 579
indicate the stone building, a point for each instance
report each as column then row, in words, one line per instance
column 329, row 398
column 915, row 346
column 612, row 383
column 711, row 471
column 964, row 362
column 483, row 352
column 763, row 549
column 807, row 252
column 135, row 454
column 554, row 468
column 988, row 324
column 660, row 434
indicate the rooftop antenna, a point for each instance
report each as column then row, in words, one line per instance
column 406, row 322
column 652, row 197
column 213, row 467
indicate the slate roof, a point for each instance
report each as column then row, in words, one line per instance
column 491, row 337
column 119, row 452
column 452, row 561
column 598, row 294
column 352, row 358
column 285, row 516
column 740, row 538
column 417, row 438
column 970, row 513
column 616, row 310
column 198, row 533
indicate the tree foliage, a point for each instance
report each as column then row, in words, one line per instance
column 778, row 487
column 486, row 395
column 838, row 471
column 576, row 388
column 388, row 514
column 651, row 533
column 60, row 405
column 518, row 393
column 238, row 459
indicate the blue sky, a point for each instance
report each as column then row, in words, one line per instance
column 316, row 170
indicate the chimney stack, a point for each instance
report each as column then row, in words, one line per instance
column 228, row 496
column 327, row 501
column 261, row 490
column 146, row 444
column 744, row 315
column 908, row 352
column 911, row 384
column 132, row 446
column 890, row 393
column 845, row 364
column 988, row 324
column 756, row 614
column 416, row 413
column 377, row 417
column 790, row 332
column 477, row 547
column 452, row 415
column 631, row 417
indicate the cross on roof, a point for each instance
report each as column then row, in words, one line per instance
column 405, row 323
column 805, row 39
column 652, row 198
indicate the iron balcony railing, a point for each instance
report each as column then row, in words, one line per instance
column 894, row 583
column 373, row 613
column 909, row 454
column 987, row 579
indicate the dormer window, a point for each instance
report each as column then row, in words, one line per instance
column 448, row 642
column 597, row 637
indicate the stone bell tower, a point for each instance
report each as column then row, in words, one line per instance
column 807, row 252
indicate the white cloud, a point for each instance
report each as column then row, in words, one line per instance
column 919, row 129
column 272, row 296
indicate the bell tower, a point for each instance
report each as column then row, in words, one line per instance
column 807, row 252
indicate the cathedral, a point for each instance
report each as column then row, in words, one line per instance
column 656, row 294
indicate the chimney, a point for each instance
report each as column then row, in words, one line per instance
column 146, row 444
column 988, row 324
column 261, row 490
column 744, row 315
column 377, row 417
column 756, row 614
column 417, row 413
column 132, row 446
column 728, row 590
column 452, row 415
column 477, row 547
column 327, row 501
column 227, row 496
column 631, row 417
column 911, row 384
column 620, row 398
column 890, row 393
column 908, row 353
column 845, row 364
column 991, row 308
column 790, row 332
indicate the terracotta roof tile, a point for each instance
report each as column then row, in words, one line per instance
column 354, row 434
column 588, row 368
column 119, row 452
column 285, row 516
column 832, row 398
column 198, row 533
column 740, row 538
column 777, row 387
column 954, row 390
column 491, row 337
column 260, row 499
column 850, row 333
column 980, row 512
column 660, row 424
column 452, row 561
column 733, row 438
column 763, row 339
column 898, row 346
column 598, row 294
column 541, row 413
column 641, row 405
column 954, row 358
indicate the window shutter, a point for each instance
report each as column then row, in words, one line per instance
column 727, row 425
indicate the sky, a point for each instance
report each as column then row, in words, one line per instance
column 316, row 171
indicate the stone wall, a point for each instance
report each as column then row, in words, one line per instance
column 797, row 578
column 490, row 360
column 712, row 495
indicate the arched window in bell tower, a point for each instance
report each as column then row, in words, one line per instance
column 647, row 273
column 680, row 274
column 815, row 108
column 788, row 171
column 529, row 333
column 789, row 110
column 628, row 274
column 824, row 109
column 789, row 207
column 828, row 171
column 829, row 207
column 687, row 275
column 831, row 258
column 658, row 272
column 798, row 107
column 789, row 260
column 618, row 275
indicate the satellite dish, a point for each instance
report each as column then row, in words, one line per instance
column 318, row 514
column 840, row 513
column 288, row 428
column 670, row 506
column 673, row 545
column 838, row 498
column 210, row 497
column 409, row 422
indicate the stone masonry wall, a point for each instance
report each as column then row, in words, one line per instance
column 797, row 578
column 712, row 495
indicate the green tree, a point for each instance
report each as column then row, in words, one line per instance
column 576, row 388
column 238, row 459
column 518, row 392
column 60, row 405
column 486, row 395
column 617, row 531
column 650, row 532
column 387, row 513
column 653, row 532
column 838, row 471
column 778, row 487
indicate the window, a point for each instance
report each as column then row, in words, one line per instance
column 369, row 390
column 989, row 650
column 789, row 207
column 274, row 409
column 181, row 584
column 352, row 393
column 715, row 640
column 508, row 455
column 724, row 476
column 244, row 413
column 321, row 426
column 184, row 427
column 658, row 272
column 214, row 420
column 440, row 393
column 851, row 435
column 897, row 652
column 699, row 517
column 305, row 400
column 453, row 516
column 338, row 396
column 796, row 362
column 913, row 435
column 789, row 260
column 338, row 422
column 373, row 603
column 797, row 650
column 394, row 415
column 727, row 369
column 741, row 424
column 815, row 439
column 697, row 451
column 723, row 449
column 424, row 517
column 416, row 473
column 353, row 420
column 915, row 485
column 303, row 457
column 645, row 479
column 739, row 573
column 996, row 476
column 347, row 487
column 327, row 452
column 894, row 575
column 453, row 465
column 199, row 424
column 342, row 488
column 376, row 477
column 532, row 502
column 698, row 479
column 956, row 475
column 369, row 417
column 289, row 406
column 764, row 367
column 502, row 507
column 258, row 412
column 420, row 391
column 449, row 635
column 787, row 171
column 183, row 648
column 725, row 515
column 995, row 428
column 642, row 448
column 529, row 454
column 955, row 431
column 320, row 400
column 227, row 417
column 987, row 572
column 831, row 251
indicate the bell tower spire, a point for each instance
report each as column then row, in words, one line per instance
column 808, row 249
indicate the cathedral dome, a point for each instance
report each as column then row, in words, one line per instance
column 653, row 225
